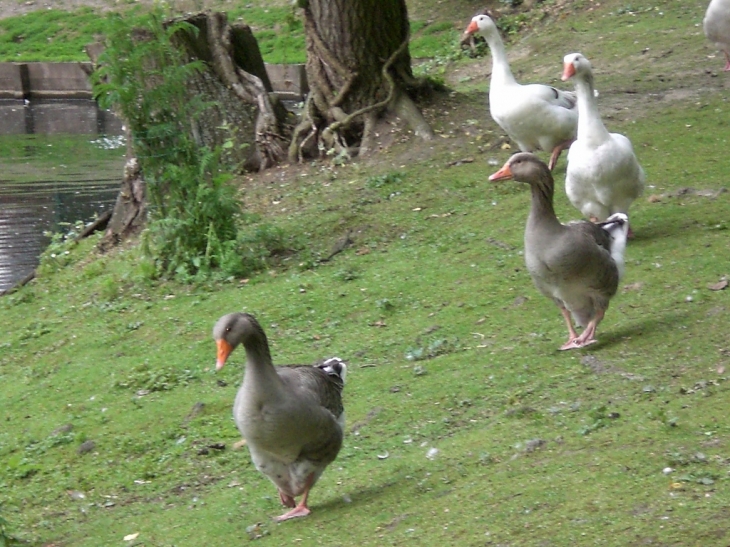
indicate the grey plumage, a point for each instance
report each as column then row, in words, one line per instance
column 292, row 417
column 578, row 265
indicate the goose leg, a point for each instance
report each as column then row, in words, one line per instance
column 301, row 510
column 286, row 500
column 572, row 335
column 556, row 152
column 587, row 337
column 727, row 58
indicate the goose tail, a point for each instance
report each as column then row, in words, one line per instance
column 334, row 366
column 617, row 226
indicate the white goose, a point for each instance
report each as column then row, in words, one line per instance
column 603, row 175
column 535, row 116
column 291, row 417
column 717, row 27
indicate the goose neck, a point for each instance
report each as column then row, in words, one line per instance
column 589, row 118
column 259, row 367
column 542, row 210
column 501, row 72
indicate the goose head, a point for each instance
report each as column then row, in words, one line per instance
column 575, row 63
column 482, row 24
column 524, row 167
column 234, row 329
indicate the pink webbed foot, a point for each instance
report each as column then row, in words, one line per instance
column 299, row 511
column 577, row 343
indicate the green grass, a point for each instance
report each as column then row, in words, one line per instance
column 56, row 35
column 49, row 35
column 535, row 446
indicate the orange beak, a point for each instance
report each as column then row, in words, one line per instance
column 224, row 350
column 472, row 28
column 568, row 71
column 503, row 174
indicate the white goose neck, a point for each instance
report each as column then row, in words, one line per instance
column 590, row 126
column 501, row 73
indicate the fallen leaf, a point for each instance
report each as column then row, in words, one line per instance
column 720, row 285
column 654, row 198
column 130, row 537
column 518, row 301
column 459, row 162
column 239, row 444
column 633, row 286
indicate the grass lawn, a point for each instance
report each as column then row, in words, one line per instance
column 466, row 426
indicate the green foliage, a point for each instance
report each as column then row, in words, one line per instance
column 431, row 349
column 57, row 255
column 513, row 24
column 379, row 181
column 195, row 214
column 57, row 35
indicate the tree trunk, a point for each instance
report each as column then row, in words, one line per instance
column 358, row 68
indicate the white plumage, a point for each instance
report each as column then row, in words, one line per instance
column 716, row 25
column 535, row 116
column 603, row 175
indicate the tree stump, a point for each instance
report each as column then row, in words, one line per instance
column 238, row 84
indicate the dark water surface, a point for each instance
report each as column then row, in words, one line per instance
column 60, row 161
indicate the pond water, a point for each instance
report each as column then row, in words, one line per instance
column 60, row 162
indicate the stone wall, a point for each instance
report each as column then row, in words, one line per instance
column 70, row 81
column 44, row 81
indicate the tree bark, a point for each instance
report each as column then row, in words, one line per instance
column 238, row 84
column 358, row 68
column 130, row 210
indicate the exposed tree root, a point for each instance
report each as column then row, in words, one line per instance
column 325, row 126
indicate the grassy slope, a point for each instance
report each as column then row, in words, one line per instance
column 436, row 260
column 61, row 35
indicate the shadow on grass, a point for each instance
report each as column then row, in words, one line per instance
column 648, row 326
column 364, row 496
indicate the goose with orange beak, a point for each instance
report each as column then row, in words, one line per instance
column 577, row 265
column 292, row 417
